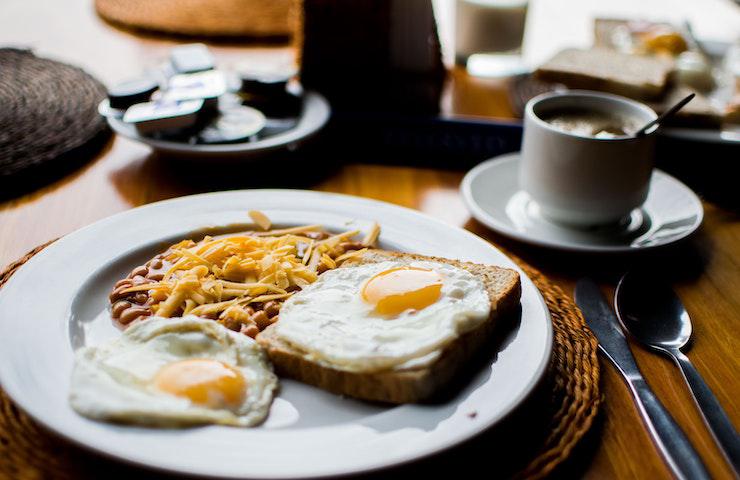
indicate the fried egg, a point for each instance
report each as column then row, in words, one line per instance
column 174, row 372
column 382, row 315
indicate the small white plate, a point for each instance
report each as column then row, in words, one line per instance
column 492, row 194
column 57, row 302
column 726, row 134
column 316, row 112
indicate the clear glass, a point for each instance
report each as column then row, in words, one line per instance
column 489, row 35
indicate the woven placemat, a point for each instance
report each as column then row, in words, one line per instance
column 48, row 110
column 208, row 18
column 27, row 451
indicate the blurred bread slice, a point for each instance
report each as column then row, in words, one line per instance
column 732, row 109
column 698, row 113
column 634, row 76
column 413, row 381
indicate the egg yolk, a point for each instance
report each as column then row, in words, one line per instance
column 204, row 382
column 402, row 288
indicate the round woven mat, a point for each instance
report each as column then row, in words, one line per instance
column 28, row 451
column 49, row 109
column 210, row 18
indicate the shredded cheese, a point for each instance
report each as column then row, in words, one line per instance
column 260, row 219
column 220, row 277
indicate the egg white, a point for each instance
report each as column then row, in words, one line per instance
column 331, row 323
column 113, row 381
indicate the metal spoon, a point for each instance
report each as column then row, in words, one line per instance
column 667, row 114
column 653, row 314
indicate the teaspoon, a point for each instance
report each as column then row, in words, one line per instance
column 667, row 114
column 654, row 315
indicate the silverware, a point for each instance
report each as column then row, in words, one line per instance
column 672, row 443
column 667, row 114
column 654, row 315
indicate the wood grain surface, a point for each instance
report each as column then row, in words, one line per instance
column 704, row 270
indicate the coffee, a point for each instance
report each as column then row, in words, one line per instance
column 590, row 123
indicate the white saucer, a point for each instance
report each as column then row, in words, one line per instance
column 491, row 192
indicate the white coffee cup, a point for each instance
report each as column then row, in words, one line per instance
column 585, row 180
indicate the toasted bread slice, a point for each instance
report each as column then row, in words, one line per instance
column 415, row 381
column 634, row 76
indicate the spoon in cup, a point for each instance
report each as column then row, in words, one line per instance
column 654, row 315
column 667, row 114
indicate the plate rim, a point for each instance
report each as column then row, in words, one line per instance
column 491, row 222
column 717, row 136
column 470, row 433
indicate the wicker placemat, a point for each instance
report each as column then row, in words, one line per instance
column 48, row 110
column 27, row 451
column 209, row 18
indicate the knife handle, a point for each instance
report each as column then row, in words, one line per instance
column 675, row 448
column 714, row 415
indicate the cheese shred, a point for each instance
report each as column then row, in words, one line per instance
column 219, row 277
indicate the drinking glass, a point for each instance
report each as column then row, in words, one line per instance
column 488, row 36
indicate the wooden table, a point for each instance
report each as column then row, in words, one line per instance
column 705, row 271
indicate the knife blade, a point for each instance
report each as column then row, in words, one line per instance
column 674, row 447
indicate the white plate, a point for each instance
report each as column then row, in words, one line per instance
column 727, row 134
column 724, row 134
column 315, row 114
column 58, row 301
column 491, row 192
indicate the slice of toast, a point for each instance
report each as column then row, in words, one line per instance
column 414, row 382
column 635, row 76
column 698, row 113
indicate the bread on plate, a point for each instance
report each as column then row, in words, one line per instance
column 407, row 381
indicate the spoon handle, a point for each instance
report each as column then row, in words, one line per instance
column 714, row 416
column 675, row 448
column 667, row 114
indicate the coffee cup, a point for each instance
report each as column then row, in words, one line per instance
column 580, row 161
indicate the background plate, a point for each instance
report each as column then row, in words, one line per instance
column 315, row 114
column 57, row 303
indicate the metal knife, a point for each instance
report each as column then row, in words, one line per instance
column 672, row 443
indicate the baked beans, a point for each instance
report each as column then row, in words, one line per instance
column 127, row 307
